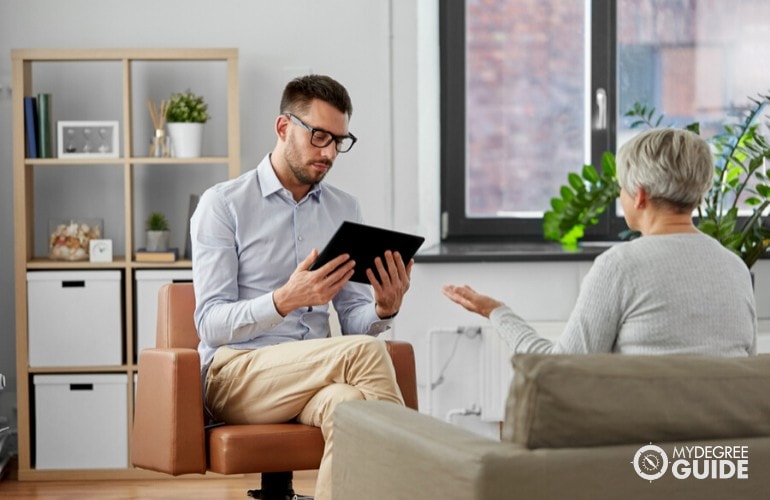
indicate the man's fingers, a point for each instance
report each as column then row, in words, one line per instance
column 333, row 264
column 305, row 264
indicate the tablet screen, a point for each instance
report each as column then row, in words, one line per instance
column 364, row 243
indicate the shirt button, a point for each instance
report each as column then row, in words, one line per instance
column 300, row 238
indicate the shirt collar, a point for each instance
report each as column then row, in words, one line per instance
column 269, row 182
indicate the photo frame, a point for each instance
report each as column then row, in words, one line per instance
column 88, row 139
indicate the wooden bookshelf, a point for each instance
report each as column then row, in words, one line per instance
column 29, row 170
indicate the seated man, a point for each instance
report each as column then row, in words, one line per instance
column 254, row 239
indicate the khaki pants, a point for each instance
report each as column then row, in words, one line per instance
column 303, row 380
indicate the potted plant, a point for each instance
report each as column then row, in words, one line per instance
column 158, row 233
column 740, row 157
column 185, row 116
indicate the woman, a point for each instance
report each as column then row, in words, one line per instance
column 674, row 290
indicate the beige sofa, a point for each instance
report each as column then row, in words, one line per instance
column 577, row 427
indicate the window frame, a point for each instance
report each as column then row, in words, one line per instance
column 455, row 225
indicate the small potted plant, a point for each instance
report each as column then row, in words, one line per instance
column 185, row 116
column 158, row 233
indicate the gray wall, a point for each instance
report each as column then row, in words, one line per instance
column 371, row 46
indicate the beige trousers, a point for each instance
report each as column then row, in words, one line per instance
column 302, row 380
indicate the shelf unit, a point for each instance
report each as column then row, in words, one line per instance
column 129, row 161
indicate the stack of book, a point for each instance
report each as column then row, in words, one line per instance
column 37, row 124
column 169, row 255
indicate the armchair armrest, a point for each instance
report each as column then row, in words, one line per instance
column 402, row 355
column 168, row 434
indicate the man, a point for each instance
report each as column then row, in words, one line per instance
column 254, row 239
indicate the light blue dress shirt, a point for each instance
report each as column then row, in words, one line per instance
column 248, row 236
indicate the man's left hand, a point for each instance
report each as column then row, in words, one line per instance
column 393, row 282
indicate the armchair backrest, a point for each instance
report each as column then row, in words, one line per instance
column 176, row 326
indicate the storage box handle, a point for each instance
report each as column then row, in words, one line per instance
column 81, row 387
column 73, row 284
column 181, row 281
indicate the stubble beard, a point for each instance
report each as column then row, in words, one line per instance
column 304, row 172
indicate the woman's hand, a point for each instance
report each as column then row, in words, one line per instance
column 471, row 299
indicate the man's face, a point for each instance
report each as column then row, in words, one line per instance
column 308, row 163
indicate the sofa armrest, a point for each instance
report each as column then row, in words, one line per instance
column 402, row 355
column 382, row 450
column 168, row 433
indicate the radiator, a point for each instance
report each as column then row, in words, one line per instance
column 496, row 371
column 495, row 375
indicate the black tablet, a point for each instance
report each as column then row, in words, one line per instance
column 364, row 243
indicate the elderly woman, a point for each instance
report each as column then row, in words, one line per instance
column 674, row 290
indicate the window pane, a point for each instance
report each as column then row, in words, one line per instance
column 693, row 60
column 525, row 116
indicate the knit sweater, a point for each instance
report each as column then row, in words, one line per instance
column 661, row 294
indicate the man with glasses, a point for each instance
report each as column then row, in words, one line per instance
column 254, row 239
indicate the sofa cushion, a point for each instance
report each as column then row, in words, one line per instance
column 559, row 401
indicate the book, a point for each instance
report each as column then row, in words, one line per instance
column 44, row 125
column 188, row 243
column 30, row 125
column 170, row 255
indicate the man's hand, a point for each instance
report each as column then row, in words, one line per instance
column 392, row 285
column 312, row 288
column 471, row 299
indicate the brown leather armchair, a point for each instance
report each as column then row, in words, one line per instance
column 169, row 434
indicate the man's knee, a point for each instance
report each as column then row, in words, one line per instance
column 369, row 345
column 344, row 392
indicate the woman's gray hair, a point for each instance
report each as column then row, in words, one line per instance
column 674, row 166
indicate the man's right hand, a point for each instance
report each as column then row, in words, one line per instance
column 312, row 288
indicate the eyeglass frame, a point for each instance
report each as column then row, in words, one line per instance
column 334, row 138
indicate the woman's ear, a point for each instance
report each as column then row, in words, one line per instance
column 641, row 198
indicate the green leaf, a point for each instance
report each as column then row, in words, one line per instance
column 558, row 204
column 576, row 182
column 693, row 127
column 763, row 190
column 590, row 174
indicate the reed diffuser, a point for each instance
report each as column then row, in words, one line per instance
column 159, row 147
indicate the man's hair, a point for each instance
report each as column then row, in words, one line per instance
column 674, row 166
column 301, row 91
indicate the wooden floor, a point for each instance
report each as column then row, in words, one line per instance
column 187, row 488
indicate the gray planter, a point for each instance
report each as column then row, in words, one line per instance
column 157, row 241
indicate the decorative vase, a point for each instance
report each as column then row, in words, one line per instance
column 185, row 139
column 157, row 241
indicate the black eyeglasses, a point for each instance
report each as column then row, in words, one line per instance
column 321, row 138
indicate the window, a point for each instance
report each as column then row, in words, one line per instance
column 533, row 89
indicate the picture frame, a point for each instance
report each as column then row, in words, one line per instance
column 88, row 139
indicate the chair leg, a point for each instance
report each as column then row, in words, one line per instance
column 276, row 486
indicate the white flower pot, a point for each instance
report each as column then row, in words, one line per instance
column 185, row 139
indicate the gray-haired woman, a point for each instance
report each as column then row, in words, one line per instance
column 657, row 293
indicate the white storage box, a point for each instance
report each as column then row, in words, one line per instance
column 75, row 318
column 148, row 282
column 81, row 421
